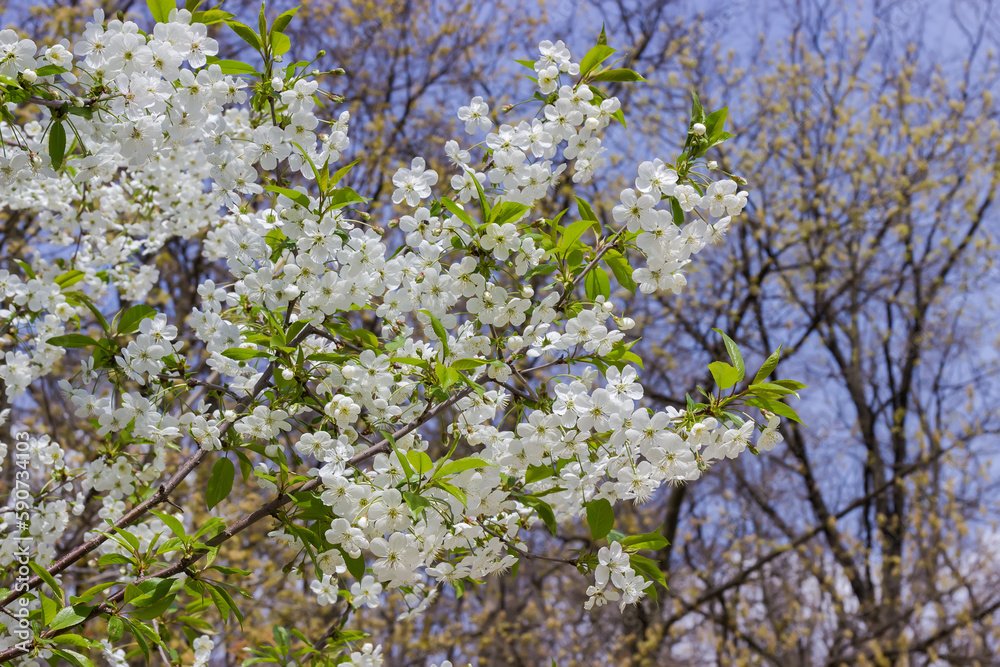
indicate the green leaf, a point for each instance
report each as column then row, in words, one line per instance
column 116, row 628
column 281, row 638
column 340, row 173
column 544, row 511
column 597, row 283
column 734, row 354
column 617, row 75
column 283, row 20
column 140, row 639
column 407, row 470
column 127, row 539
column 776, row 407
column 262, row 19
column 600, row 518
column 453, row 490
column 420, row 461
column 50, row 70
column 49, row 609
column 772, row 388
column 469, row 364
column 790, row 384
column 416, row 502
column 232, row 604
column 586, row 212
column 79, row 298
column 247, row 34
column 769, row 365
column 356, row 566
column 220, row 484
column 447, row 375
column 231, row 570
column 295, row 328
column 649, row 568
column 211, row 16
column 344, row 197
column 242, row 353
column 132, row 592
column 57, row 143
column 439, row 330
column 597, row 55
column 697, row 111
column 73, row 658
column 114, row 559
column 221, row 603
column 508, row 211
column 160, row 9
column 411, row 361
column 574, row 232
column 536, row 473
column 83, row 112
column 71, row 277
column 153, row 610
column 484, row 205
column 234, row 67
column 460, row 465
column 651, row 541
column 721, row 137
column 458, row 212
column 715, row 123
column 175, row 526
column 71, row 340
column 209, row 529
column 131, row 318
column 620, row 267
column 632, row 358
column 72, row 640
column 298, row 197
column 70, row 616
column 725, row 375
column 49, row 580
column 26, row 268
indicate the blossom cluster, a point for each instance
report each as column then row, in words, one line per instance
column 474, row 302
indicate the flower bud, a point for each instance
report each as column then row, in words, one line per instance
column 29, row 75
column 527, row 292
column 713, row 165
column 288, row 374
column 698, row 129
column 278, row 84
column 278, row 59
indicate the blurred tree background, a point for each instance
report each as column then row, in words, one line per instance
column 869, row 135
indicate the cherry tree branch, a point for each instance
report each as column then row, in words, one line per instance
column 157, row 498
